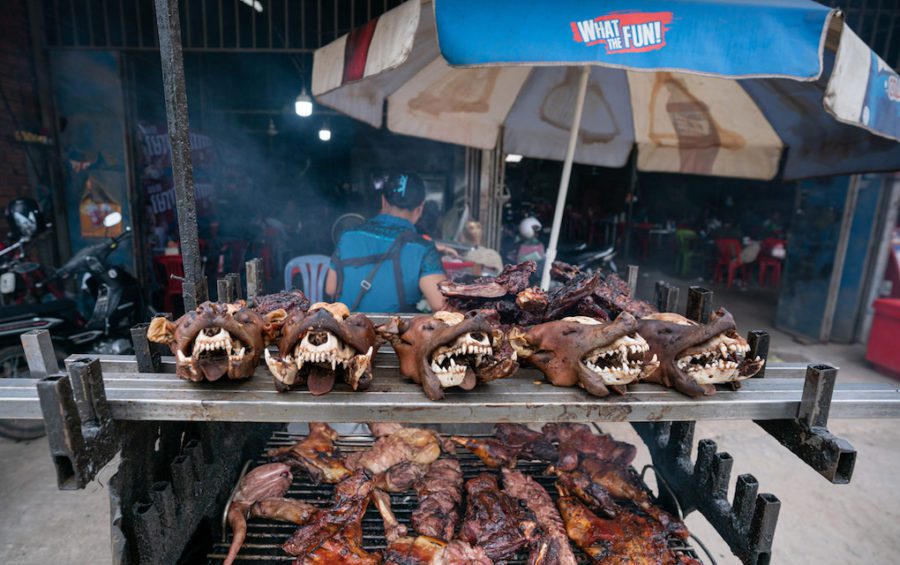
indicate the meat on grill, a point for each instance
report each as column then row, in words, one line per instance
column 259, row 495
column 552, row 545
column 440, row 495
column 423, row 550
column 381, row 429
column 626, row 539
column 577, row 440
column 392, row 528
column 401, row 477
column 512, row 442
column 413, row 445
column 334, row 535
column 533, row 444
column 597, row 483
column 316, row 453
column 494, row 521
column 492, row 452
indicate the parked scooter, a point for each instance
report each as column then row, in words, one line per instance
column 589, row 260
column 118, row 304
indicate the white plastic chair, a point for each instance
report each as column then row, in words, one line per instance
column 312, row 269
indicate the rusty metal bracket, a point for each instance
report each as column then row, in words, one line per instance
column 747, row 524
column 80, row 429
column 808, row 437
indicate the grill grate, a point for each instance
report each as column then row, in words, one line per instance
column 265, row 537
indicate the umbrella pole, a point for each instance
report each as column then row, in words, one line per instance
column 566, row 174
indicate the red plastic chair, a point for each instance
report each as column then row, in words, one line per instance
column 165, row 266
column 729, row 261
column 767, row 261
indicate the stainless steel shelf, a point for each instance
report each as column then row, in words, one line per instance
column 163, row 396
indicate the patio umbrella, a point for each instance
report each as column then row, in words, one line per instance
column 731, row 88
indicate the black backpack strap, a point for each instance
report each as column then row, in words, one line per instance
column 393, row 252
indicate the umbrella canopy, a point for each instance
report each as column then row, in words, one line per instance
column 734, row 88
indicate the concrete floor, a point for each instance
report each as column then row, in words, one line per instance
column 819, row 522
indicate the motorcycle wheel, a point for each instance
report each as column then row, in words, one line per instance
column 13, row 365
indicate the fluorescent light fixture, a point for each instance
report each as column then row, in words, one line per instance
column 255, row 4
column 303, row 105
column 513, row 158
column 325, row 133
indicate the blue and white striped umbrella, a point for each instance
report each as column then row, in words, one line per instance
column 736, row 88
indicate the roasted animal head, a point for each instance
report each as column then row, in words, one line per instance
column 216, row 340
column 318, row 346
column 449, row 349
column 693, row 357
column 587, row 352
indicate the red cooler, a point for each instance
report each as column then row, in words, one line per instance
column 884, row 341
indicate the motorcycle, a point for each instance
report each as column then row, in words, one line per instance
column 589, row 260
column 117, row 304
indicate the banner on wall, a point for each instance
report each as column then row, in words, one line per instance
column 158, row 185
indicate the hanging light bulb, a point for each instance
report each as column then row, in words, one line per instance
column 303, row 105
column 325, row 132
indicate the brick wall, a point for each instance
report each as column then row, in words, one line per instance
column 17, row 82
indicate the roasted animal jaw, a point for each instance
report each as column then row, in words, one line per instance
column 587, row 352
column 448, row 349
column 213, row 341
column 318, row 346
column 693, row 356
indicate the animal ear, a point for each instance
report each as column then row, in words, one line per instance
column 518, row 339
column 273, row 322
column 392, row 329
column 161, row 330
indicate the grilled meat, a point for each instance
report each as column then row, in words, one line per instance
column 597, row 483
column 577, row 440
column 403, row 445
column 334, row 535
column 440, row 494
column 552, row 546
column 492, row 452
column 512, row 442
column 424, row 550
column 533, row 444
column 392, row 528
column 259, row 495
column 401, row 477
column 628, row 539
column 494, row 521
column 381, row 429
column 316, row 453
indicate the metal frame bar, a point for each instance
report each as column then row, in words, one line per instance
column 194, row 287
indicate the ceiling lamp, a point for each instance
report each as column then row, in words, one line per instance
column 303, row 105
column 513, row 158
column 325, row 132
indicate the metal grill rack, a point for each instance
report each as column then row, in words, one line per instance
column 265, row 537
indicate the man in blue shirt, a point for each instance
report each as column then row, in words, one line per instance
column 385, row 265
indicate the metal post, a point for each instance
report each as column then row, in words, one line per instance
column 632, row 280
column 699, row 304
column 564, row 181
column 235, row 281
column 195, row 290
column 39, row 354
column 255, row 276
column 840, row 255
